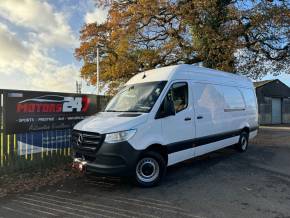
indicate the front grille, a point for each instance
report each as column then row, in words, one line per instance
column 87, row 141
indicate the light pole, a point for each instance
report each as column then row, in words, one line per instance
column 78, row 87
column 98, row 76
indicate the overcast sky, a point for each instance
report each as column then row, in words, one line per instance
column 37, row 41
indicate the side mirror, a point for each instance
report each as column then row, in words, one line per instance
column 166, row 109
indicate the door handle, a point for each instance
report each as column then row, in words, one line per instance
column 187, row 118
column 199, row 117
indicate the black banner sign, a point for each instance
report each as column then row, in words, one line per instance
column 26, row 111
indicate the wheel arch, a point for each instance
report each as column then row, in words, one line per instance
column 246, row 129
column 161, row 149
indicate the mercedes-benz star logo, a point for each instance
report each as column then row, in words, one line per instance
column 80, row 140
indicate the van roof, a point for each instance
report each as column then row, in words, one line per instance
column 191, row 72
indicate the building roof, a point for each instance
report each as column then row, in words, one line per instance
column 262, row 83
column 272, row 88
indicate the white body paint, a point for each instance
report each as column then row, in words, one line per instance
column 225, row 102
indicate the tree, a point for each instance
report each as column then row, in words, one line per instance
column 246, row 36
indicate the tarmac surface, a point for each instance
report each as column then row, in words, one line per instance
column 224, row 183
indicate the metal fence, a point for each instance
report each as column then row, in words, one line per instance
column 35, row 150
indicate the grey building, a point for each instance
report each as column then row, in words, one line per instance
column 273, row 102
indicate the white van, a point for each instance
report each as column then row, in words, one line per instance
column 165, row 116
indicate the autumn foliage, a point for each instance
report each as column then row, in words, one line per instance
column 251, row 37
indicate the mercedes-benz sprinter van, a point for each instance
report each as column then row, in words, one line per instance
column 165, row 116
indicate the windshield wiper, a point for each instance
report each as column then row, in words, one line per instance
column 135, row 111
column 115, row 111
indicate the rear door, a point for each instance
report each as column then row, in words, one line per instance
column 276, row 111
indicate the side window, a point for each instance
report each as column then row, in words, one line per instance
column 179, row 92
column 250, row 98
column 176, row 99
column 209, row 99
column 233, row 99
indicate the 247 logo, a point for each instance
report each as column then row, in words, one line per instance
column 53, row 104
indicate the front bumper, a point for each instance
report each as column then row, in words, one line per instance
column 116, row 159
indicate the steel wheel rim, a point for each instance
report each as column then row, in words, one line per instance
column 147, row 169
column 244, row 143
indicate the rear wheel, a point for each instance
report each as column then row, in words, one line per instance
column 150, row 169
column 242, row 145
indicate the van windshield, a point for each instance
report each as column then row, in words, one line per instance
column 136, row 98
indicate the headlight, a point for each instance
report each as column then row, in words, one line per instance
column 120, row 136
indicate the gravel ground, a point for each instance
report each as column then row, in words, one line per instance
column 221, row 184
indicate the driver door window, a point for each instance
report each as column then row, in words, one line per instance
column 179, row 92
column 178, row 95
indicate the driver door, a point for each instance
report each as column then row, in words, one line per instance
column 179, row 129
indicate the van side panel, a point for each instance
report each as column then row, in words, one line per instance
column 200, row 147
column 251, row 108
column 179, row 156
column 222, row 110
column 235, row 112
column 204, row 149
column 209, row 107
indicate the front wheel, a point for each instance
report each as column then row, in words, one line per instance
column 150, row 169
column 242, row 145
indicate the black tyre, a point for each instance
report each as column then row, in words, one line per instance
column 243, row 143
column 150, row 169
